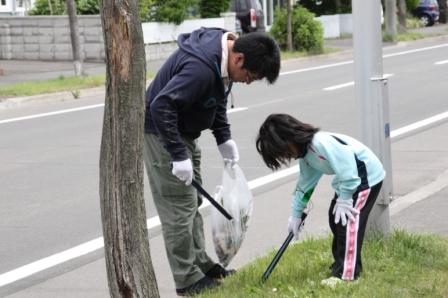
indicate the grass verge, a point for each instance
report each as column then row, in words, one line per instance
column 298, row 54
column 73, row 84
column 400, row 265
column 50, row 86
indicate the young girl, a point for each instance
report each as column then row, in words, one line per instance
column 357, row 182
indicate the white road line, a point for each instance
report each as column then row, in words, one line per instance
column 351, row 61
column 316, row 68
column 234, row 110
column 441, row 62
column 416, row 50
column 51, row 113
column 98, row 243
column 417, row 125
column 335, row 87
column 229, row 111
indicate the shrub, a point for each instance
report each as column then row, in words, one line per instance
column 411, row 5
column 41, row 7
column 172, row 11
column 87, row 7
column 327, row 7
column 307, row 33
column 213, row 8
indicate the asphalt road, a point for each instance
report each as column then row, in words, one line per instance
column 49, row 198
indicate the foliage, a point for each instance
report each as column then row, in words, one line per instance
column 327, row 7
column 398, row 265
column 87, row 7
column 411, row 5
column 144, row 8
column 307, row 33
column 42, row 7
column 172, row 11
column 56, row 85
column 213, row 8
column 413, row 23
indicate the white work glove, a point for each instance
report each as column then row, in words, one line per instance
column 344, row 209
column 183, row 170
column 293, row 226
column 229, row 152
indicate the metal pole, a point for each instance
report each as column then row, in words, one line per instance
column 372, row 99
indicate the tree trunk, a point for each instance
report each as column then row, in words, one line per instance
column 337, row 5
column 289, row 26
column 128, row 260
column 50, row 7
column 74, row 36
column 402, row 16
column 391, row 18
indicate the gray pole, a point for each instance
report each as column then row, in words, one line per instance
column 372, row 99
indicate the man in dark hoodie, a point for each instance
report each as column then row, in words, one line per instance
column 187, row 96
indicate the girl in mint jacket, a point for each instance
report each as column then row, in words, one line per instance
column 358, row 176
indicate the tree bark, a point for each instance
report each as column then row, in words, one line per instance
column 337, row 4
column 391, row 18
column 128, row 260
column 289, row 26
column 402, row 16
column 74, row 36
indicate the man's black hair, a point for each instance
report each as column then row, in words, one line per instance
column 261, row 55
column 277, row 133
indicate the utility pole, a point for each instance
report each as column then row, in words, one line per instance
column 371, row 92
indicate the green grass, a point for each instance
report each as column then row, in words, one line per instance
column 401, row 265
column 285, row 55
column 73, row 84
column 49, row 86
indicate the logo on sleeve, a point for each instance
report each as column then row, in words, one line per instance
column 210, row 102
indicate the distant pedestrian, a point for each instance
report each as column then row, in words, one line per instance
column 187, row 96
column 357, row 182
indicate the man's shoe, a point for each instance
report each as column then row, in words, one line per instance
column 218, row 272
column 202, row 284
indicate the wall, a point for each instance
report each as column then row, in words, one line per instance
column 48, row 37
column 335, row 25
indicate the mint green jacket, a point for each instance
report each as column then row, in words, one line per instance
column 353, row 165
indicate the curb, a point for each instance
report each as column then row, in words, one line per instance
column 422, row 193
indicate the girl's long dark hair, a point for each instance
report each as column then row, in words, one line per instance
column 275, row 135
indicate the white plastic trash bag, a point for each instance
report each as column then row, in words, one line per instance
column 236, row 198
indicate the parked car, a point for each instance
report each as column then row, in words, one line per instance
column 249, row 15
column 427, row 11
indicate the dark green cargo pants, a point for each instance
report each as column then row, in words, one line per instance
column 177, row 206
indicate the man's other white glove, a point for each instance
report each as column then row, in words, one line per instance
column 183, row 170
column 229, row 152
column 293, row 226
column 344, row 209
